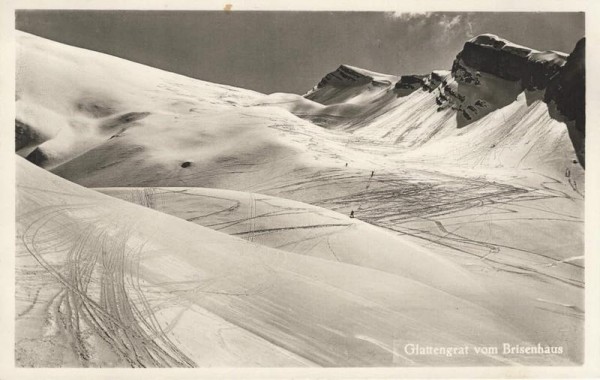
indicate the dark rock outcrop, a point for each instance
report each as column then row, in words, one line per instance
column 410, row 82
column 493, row 55
column 567, row 92
column 26, row 136
column 38, row 157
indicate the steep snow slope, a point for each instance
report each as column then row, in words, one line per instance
column 107, row 283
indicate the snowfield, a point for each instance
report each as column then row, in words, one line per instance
column 186, row 223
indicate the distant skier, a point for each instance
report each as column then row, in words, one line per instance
column 372, row 173
column 352, row 214
column 346, row 164
column 568, row 173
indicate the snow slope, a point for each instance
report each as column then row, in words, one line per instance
column 504, row 264
column 304, row 229
column 116, row 284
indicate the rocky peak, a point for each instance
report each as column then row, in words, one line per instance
column 496, row 56
column 345, row 76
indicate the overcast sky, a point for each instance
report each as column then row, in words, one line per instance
column 291, row 51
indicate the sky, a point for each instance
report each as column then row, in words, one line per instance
column 291, row 51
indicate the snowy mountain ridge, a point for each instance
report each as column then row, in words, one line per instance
column 500, row 105
column 488, row 75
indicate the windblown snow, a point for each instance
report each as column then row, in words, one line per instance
column 213, row 227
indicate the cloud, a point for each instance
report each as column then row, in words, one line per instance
column 448, row 22
column 438, row 27
column 469, row 32
column 409, row 16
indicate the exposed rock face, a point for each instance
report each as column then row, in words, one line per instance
column 570, row 93
column 437, row 78
column 25, row 136
column 567, row 91
column 410, row 82
column 541, row 68
column 493, row 55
